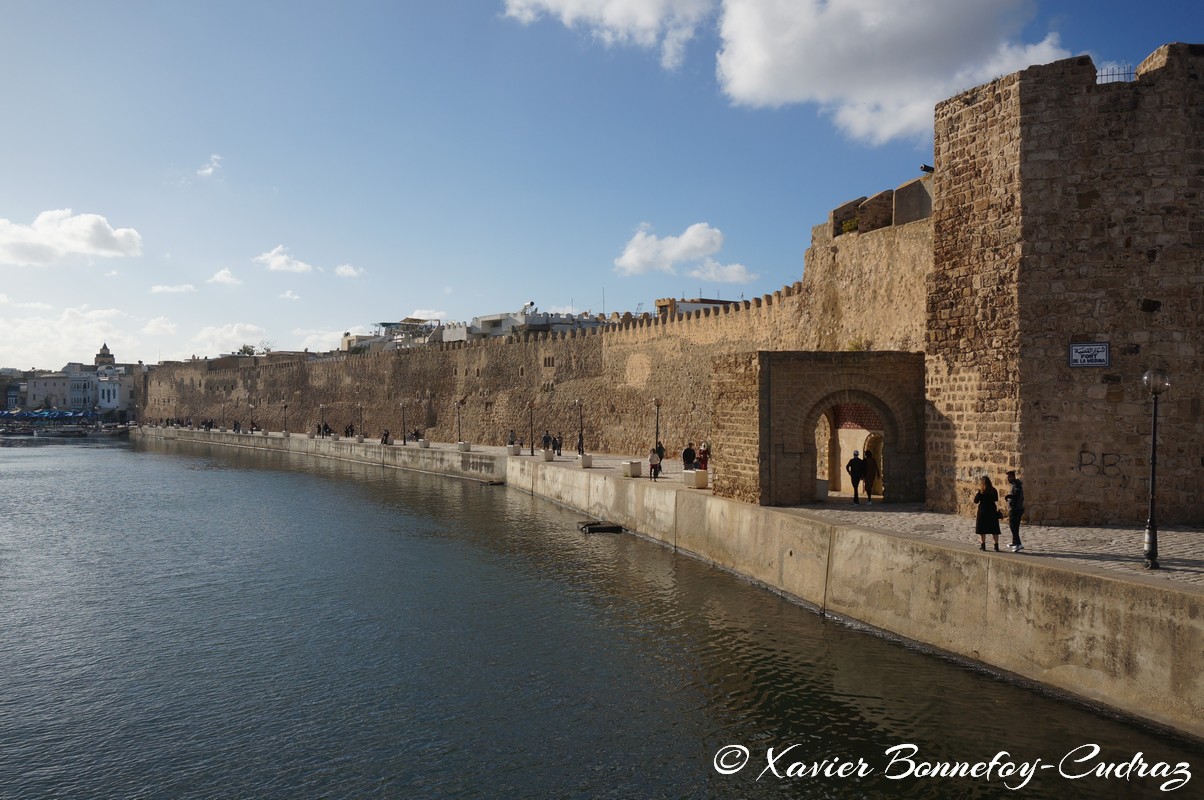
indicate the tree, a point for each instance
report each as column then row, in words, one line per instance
column 245, row 350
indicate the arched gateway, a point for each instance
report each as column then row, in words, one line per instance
column 768, row 406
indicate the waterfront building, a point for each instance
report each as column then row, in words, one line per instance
column 48, row 390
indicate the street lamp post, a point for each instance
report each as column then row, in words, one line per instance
column 580, row 426
column 1156, row 381
column 321, row 419
column 361, row 407
column 459, row 405
column 284, row 419
column 404, row 435
column 250, row 417
column 531, row 420
column 656, row 438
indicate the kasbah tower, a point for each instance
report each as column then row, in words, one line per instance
column 996, row 314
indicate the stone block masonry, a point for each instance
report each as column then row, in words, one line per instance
column 1063, row 212
column 1068, row 211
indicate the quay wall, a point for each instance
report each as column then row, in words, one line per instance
column 1127, row 643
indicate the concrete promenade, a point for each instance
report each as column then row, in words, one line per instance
column 1076, row 610
column 1119, row 548
column 1115, row 549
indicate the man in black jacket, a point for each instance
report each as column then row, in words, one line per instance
column 856, row 470
column 688, row 456
column 1015, row 498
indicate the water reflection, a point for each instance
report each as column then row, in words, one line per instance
column 282, row 627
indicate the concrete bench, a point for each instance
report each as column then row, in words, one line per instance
column 695, row 478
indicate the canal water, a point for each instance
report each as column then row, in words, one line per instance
column 184, row 622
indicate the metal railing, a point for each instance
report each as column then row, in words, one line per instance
column 1116, row 74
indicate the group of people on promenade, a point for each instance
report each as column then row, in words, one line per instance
column 864, row 472
column 986, row 521
column 690, row 458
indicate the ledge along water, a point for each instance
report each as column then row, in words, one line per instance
column 1128, row 642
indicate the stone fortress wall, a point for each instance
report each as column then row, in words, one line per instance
column 1070, row 211
column 1062, row 211
column 616, row 371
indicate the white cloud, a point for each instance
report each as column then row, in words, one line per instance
column 112, row 273
column 56, row 236
column 278, row 260
column 4, row 301
column 348, row 271
column 178, row 289
column 322, row 340
column 877, row 67
column 211, row 166
column 872, row 64
column 224, row 276
column 713, row 272
column 290, row 295
column 667, row 24
column 50, row 341
column 218, row 339
column 428, row 313
column 159, row 326
column 646, row 252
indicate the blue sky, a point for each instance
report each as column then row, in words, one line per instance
column 183, row 178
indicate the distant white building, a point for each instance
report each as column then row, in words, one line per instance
column 411, row 332
column 104, row 387
column 114, row 391
column 527, row 320
column 670, row 307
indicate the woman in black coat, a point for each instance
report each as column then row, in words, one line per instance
column 987, row 521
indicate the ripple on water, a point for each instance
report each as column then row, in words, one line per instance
column 212, row 624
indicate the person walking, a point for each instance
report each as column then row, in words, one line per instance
column 987, row 519
column 1015, row 498
column 547, row 440
column 871, row 476
column 654, row 464
column 856, row 470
